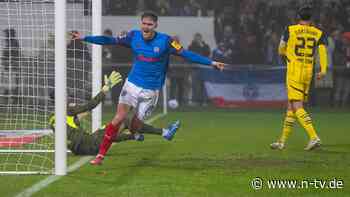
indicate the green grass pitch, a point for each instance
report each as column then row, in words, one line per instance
column 214, row 153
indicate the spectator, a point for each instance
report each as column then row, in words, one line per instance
column 78, row 50
column 191, row 8
column 78, row 70
column 11, row 54
column 179, row 79
column 345, row 18
column 198, row 45
column 87, row 7
column 124, row 7
column 163, row 7
column 272, row 47
column 140, row 7
column 176, row 7
column 47, row 61
column 107, row 49
column 249, row 53
column 342, row 73
column 106, row 7
column 204, row 7
column 221, row 54
column 223, row 22
column 231, row 45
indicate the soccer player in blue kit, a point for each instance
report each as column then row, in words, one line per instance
column 151, row 51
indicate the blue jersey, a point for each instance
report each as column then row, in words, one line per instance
column 151, row 57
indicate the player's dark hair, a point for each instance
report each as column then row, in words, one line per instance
column 151, row 15
column 305, row 12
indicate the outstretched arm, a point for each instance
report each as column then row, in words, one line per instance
column 177, row 49
column 123, row 38
column 73, row 110
column 100, row 40
column 113, row 79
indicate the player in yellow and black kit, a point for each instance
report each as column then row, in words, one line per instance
column 298, row 47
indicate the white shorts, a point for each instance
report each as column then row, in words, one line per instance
column 142, row 100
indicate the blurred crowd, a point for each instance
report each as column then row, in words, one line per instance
column 251, row 28
column 162, row 7
column 245, row 29
column 246, row 32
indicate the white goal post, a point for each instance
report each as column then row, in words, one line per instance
column 60, row 88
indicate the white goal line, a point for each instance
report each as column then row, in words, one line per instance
column 27, row 131
column 28, row 151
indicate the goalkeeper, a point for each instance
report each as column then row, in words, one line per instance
column 81, row 142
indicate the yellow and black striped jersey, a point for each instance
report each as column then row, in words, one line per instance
column 302, row 41
column 299, row 44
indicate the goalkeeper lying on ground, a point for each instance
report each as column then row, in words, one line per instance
column 81, row 142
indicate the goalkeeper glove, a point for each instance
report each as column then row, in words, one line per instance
column 113, row 79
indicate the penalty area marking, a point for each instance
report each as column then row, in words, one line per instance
column 52, row 178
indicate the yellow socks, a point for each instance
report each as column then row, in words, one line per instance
column 287, row 126
column 305, row 120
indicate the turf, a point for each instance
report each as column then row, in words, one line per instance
column 215, row 153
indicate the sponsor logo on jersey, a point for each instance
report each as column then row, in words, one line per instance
column 147, row 59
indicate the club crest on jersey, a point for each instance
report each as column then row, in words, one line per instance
column 156, row 49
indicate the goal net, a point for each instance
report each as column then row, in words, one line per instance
column 27, row 80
